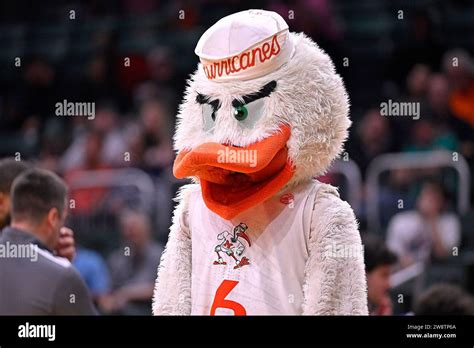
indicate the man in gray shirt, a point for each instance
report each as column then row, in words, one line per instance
column 32, row 280
column 10, row 168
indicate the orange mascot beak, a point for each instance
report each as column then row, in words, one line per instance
column 234, row 179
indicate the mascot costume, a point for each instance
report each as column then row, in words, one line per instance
column 264, row 114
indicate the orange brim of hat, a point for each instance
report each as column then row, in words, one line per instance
column 234, row 179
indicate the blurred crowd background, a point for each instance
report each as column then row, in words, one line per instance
column 118, row 165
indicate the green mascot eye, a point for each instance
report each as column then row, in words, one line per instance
column 241, row 113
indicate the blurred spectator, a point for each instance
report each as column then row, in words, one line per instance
column 94, row 271
column 444, row 299
column 426, row 135
column 162, row 69
column 378, row 262
column 372, row 138
column 28, row 107
column 87, row 200
column 136, row 146
column 433, row 130
column 438, row 97
column 112, row 142
column 416, row 86
column 148, row 140
column 9, row 170
column 439, row 111
column 40, row 91
column 107, row 123
column 427, row 231
column 400, row 187
column 459, row 68
column 417, row 83
column 157, row 147
column 100, row 78
column 162, row 81
column 423, row 133
column 133, row 268
column 461, row 99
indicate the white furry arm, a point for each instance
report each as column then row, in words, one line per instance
column 335, row 281
column 172, row 294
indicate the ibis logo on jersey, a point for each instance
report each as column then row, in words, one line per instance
column 232, row 245
column 288, row 199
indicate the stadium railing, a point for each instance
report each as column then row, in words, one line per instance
column 415, row 160
column 351, row 172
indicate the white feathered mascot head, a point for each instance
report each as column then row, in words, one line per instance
column 264, row 111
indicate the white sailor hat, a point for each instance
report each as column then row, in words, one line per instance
column 244, row 46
